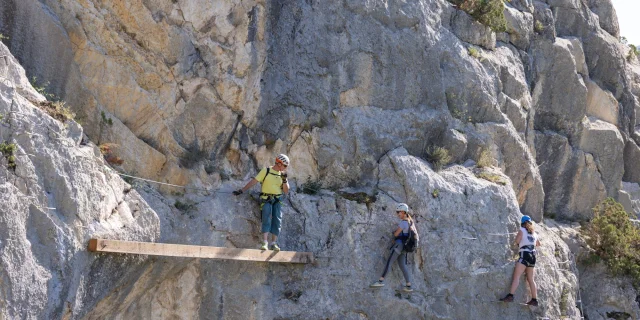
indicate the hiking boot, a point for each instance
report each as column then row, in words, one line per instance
column 377, row 284
column 274, row 247
column 407, row 289
column 533, row 302
column 507, row 298
column 264, row 246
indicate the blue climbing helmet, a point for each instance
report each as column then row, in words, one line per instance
column 524, row 219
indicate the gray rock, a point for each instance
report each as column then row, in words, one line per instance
column 354, row 91
column 605, row 143
column 559, row 94
column 456, row 143
column 578, row 56
column 544, row 22
column 59, row 195
column 607, row 16
column 469, row 30
column 522, row 5
column 519, row 27
column 631, row 162
column 572, row 182
column 524, row 174
column 604, row 296
column 629, row 197
column 601, row 104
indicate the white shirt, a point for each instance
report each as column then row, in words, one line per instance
column 527, row 239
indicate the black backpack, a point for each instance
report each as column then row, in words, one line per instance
column 411, row 242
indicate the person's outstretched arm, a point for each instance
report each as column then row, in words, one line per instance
column 248, row 186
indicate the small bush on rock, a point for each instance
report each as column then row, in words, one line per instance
column 57, row 110
column 633, row 52
column 9, row 150
column 488, row 12
column 614, row 239
column 485, row 159
column 311, row 186
column 474, row 52
column 438, row 156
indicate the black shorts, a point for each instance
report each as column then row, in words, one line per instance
column 528, row 259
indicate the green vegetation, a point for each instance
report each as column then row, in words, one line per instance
column 461, row 115
column 435, row 193
column 58, row 110
column 311, row 186
column 3, row 37
column 438, row 156
column 488, row 12
column 633, row 52
column 105, row 119
column 614, row 239
column 538, row 26
column 485, row 159
column 474, row 52
column 564, row 301
column 9, row 150
column 359, row 197
column 495, row 178
column 184, row 207
column 42, row 88
column 633, row 49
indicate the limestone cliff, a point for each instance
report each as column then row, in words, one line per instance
column 205, row 92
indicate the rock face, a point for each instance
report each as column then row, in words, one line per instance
column 58, row 196
column 608, row 297
column 202, row 91
column 206, row 93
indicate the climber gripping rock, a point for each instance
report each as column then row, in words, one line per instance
column 406, row 240
column 527, row 240
column 274, row 184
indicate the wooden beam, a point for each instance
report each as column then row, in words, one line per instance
column 181, row 250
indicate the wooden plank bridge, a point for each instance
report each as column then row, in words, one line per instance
column 191, row 251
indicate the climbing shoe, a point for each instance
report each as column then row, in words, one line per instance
column 533, row 302
column 274, row 247
column 377, row 284
column 407, row 289
column 507, row 298
column 264, row 246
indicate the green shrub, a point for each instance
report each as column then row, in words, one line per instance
column 184, row 207
column 9, row 150
column 311, row 186
column 488, row 12
column 538, row 26
column 438, row 156
column 105, row 119
column 485, row 159
column 474, row 52
column 495, row 178
column 42, row 88
column 614, row 239
column 359, row 197
column 57, row 110
column 633, row 52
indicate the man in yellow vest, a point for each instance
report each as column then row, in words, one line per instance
column 274, row 185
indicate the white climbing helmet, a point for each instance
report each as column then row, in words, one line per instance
column 282, row 158
column 402, row 207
